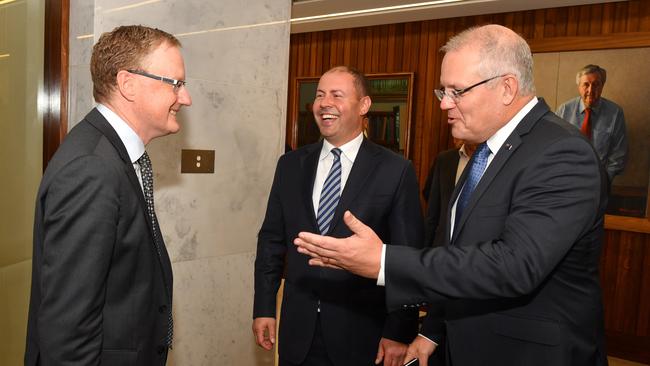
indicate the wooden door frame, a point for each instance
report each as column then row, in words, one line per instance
column 55, row 76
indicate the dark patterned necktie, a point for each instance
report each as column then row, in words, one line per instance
column 477, row 168
column 147, row 185
column 329, row 196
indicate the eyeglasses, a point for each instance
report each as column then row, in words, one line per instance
column 455, row 94
column 177, row 84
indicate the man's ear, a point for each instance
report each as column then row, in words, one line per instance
column 510, row 89
column 126, row 84
column 365, row 105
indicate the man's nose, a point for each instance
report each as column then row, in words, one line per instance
column 447, row 103
column 184, row 97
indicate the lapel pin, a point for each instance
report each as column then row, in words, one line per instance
column 508, row 147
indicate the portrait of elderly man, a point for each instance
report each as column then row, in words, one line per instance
column 599, row 119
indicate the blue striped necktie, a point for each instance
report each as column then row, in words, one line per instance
column 330, row 195
column 476, row 170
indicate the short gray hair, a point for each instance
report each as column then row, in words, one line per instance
column 501, row 50
column 592, row 69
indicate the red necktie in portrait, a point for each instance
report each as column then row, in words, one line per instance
column 586, row 124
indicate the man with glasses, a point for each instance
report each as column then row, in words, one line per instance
column 101, row 277
column 517, row 280
column 600, row 120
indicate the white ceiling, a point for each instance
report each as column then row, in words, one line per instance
column 414, row 10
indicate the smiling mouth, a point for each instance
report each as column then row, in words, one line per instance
column 328, row 116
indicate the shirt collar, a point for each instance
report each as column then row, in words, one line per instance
column 594, row 108
column 495, row 142
column 130, row 139
column 462, row 152
column 350, row 149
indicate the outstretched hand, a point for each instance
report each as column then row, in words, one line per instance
column 359, row 253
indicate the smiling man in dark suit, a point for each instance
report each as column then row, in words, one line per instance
column 332, row 317
column 101, row 277
column 518, row 276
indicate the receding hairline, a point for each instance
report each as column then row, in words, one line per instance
column 359, row 80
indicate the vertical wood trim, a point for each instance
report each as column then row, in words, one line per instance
column 55, row 76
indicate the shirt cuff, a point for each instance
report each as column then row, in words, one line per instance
column 381, row 281
column 428, row 339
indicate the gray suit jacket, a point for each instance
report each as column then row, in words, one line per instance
column 519, row 280
column 100, row 292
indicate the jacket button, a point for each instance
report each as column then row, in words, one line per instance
column 162, row 309
column 160, row 349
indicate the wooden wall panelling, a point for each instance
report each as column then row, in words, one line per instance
column 413, row 47
column 625, row 277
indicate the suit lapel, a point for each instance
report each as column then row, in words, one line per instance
column 508, row 148
column 97, row 120
column 309, row 165
column 364, row 164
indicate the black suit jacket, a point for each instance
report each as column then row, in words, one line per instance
column 519, row 280
column 382, row 191
column 99, row 289
column 437, row 191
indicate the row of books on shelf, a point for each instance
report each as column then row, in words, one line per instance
column 383, row 126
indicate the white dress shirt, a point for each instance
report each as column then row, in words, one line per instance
column 130, row 139
column 349, row 152
column 463, row 159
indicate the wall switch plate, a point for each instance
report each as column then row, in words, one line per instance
column 197, row 161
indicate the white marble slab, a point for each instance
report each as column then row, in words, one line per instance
column 212, row 313
column 80, row 94
column 179, row 17
column 205, row 215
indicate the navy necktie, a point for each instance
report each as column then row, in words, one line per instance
column 473, row 177
column 146, row 172
column 330, row 195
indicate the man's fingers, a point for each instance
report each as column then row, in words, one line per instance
column 259, row 338
column 320, row 263
column 380, row 354
column 271, row 330
column 264, row 331
column 355, row 224
column 411, row 353
column 315, row 245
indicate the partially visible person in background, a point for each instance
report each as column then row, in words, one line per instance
column 443, row 175
column 599, row 119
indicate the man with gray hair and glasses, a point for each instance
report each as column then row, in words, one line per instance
column 517, row 277
column 599, row 119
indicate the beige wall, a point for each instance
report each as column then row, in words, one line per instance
column 236, row 68
column 21, row 70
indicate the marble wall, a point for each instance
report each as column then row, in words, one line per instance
column 236, row 58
